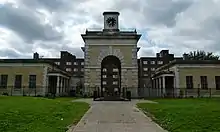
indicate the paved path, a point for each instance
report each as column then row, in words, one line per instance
column 108, row 116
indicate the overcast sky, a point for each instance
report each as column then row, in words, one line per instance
column 48, row 26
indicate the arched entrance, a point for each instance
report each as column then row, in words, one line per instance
column 111, row 76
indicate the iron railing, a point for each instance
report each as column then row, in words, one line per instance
column 135, row 92
column 34, row 91
column 100, row 93
column 178, row 92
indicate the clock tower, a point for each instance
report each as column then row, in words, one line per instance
column 111, row 21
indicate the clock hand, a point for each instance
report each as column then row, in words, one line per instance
column 110, row 23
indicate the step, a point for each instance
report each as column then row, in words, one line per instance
column 111, row 99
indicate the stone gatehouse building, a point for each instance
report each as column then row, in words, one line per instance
column 108, row 53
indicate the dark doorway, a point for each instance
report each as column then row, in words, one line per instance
column 52, row 84
column 169, row 86
column 111, row 76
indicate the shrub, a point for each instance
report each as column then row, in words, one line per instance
column 39, row 95
column 181, row 93
column 5, row 93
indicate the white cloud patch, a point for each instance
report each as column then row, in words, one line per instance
column 48, row 26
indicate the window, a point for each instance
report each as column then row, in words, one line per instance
column 68, row 69
column 115, row 76
column 159, row 62
column 82, row 63
column 4, row 81
column 32, row 81
column 115, row 70
column 204, row 82
column 103, row 89
column 145, row 75
column 75, row 69
column 75, row 63
column 115, row 82
column 104, row 82
column 145, row 69
column 82, row 70
column 152, row 69
column 18, row 81
column 69, row 63
column 104, row 76
column 189, row 82
column 104, row 70
column 217, row 82
column 58, row 63
column 145, row 62
column 152, row 62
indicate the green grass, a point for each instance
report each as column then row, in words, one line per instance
column 185, row 115
column 32, row 114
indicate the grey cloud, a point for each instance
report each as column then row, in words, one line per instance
column 155, row 12
column 26, row 24
column 208, row 29
column 25, row 21
column 12, row 54
column 146, row 52
column 206, row 35
column 51, row 5
column 164, row 12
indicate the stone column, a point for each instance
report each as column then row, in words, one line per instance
column 61, row 85
column 64, row 85
column 58, row 85
column 159, row 88
column 164, row 89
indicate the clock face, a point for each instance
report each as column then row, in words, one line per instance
column 111, row 21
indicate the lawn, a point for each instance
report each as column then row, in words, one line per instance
column 185, row 115
column 35, row 114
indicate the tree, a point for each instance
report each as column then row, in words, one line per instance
column 200, row 55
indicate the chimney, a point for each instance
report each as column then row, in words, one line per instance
column 164, row 52
column 35, row 56
column 66, row 54
column 185, row 56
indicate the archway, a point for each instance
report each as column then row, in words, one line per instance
column 111, row 76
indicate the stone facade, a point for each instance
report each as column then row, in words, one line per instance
column 127, row 54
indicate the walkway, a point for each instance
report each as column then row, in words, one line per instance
column 115, row 117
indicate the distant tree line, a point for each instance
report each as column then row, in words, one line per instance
column 200, row 55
